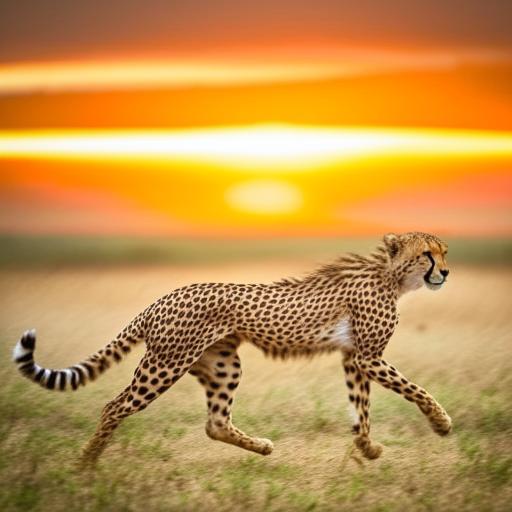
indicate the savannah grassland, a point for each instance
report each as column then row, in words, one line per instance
column 456, row 342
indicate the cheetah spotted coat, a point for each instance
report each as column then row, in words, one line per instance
column 349, row 306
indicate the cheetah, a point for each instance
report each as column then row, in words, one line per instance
column 349, row 306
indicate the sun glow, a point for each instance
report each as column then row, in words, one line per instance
column 80, row 76
column 264, row 197
column 275, row 146
column 281, row 65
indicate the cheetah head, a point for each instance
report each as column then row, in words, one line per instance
column 418, row 259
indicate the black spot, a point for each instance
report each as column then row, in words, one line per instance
column 27, row 368
column 51, row 381
column 74, row 380
column 90, row 369
column 28, row 341
column 39, row 375
column 62, row 381
column 232, row 385
column 223, row 396
column 25, row 358
column 143, row 390
column 150, row 396
column 80, row 373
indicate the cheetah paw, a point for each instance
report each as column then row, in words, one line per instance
column 265, row 446
column 374, row 451
column 368, row 449
column 441, row 423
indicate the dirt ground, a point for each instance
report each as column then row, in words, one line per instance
column 456, row 342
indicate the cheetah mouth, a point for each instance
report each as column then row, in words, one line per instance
column 433, row 285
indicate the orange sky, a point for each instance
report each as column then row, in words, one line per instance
column 316, row 75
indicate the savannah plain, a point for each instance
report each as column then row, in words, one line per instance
column 456, row 342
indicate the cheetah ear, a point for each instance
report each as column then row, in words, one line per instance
column 392, row 243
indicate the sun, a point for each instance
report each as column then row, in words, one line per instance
column 264, row 197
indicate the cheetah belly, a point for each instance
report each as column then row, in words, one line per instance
column 339, row 335
column 302, row 339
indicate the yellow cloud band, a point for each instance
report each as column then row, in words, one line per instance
column 298, row 147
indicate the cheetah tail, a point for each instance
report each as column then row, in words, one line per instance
column 80, row 373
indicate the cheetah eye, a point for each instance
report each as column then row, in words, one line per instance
column 427, row 253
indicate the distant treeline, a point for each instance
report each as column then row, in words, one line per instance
column 34, row 251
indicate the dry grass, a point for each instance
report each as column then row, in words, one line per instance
column 456, row 342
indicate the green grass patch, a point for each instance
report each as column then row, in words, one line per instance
column 56, row 251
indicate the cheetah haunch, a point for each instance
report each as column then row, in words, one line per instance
column 348, row 306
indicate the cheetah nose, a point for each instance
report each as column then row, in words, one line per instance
column 444, row 272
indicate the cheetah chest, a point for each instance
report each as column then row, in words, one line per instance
column 339, row 335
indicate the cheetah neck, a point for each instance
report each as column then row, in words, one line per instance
column 376, row 268
column 403, row 280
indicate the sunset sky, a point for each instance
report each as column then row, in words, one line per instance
column 255, row 119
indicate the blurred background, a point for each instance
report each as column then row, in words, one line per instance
column 147, row 128
column 148, row 145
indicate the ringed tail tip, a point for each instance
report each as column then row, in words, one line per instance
column 25, row 346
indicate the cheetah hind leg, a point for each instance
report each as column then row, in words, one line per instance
column 149, row 382
column 219, row 372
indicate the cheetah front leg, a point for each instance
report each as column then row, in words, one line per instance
column 380, row 371
column 219, row 372
column 358, row 385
